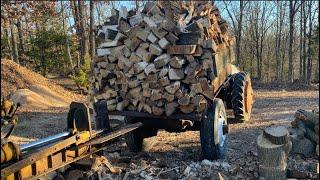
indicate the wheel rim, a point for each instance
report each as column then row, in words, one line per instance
column 248, row 97
column 221, row 121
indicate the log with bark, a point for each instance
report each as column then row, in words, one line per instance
column 306, row 126
column 159, row 60
column 273, row 147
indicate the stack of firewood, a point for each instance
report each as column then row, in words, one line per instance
column 306, row 137
column 159, row 60
column 273, row 146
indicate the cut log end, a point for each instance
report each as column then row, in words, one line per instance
column 277, row 134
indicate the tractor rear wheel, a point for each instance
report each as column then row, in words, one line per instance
column 242, row 97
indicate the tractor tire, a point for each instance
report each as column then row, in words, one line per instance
column 134, row 139
column 213, row 136
column 241, row 97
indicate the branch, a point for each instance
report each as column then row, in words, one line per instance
column 229, row 13
column 295, row 9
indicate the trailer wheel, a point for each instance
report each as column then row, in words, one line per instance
column 242, row 97
column 134, row 139
column 213, row 131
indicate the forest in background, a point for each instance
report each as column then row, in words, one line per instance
column 276, row 42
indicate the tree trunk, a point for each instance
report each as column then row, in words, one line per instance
column 309, row 65
column 67, row 45
column 304, row 48
column 76, row 18
column 291, row 29
column 42, row 54
column 84, row 39
column 277, row 44
column 239, row 33
column 251, row 62
column 92, row 37
column 283, row 56
column 21, row 42
column 15, row 53
column 98, row 9
column 278, row 39
column 301, row 43
column 9, row 43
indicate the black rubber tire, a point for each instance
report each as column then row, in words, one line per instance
column 210, row 145
column 134, row 139
column 237, row 96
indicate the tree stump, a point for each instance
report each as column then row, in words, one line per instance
column 273, row 173
column 270, row 154
column 277, row 134
column 273, row 146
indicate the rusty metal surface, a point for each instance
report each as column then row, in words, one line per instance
column 37, row 156
column 60, row 154
column 9, row 151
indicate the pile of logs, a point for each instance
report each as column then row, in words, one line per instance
column 305, row 140
column 273, row 146
column 159, row 60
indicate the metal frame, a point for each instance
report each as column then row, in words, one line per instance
column 48, row 154
column 60, row 154
column 192, row 116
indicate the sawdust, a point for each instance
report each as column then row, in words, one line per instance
column 31, row 89
column 39, row 97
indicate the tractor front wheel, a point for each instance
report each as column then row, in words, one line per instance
column 213, row 131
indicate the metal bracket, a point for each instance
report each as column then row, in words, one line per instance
column 102, row 116
column 79, row 118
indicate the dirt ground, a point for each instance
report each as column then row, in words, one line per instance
column 169, row 154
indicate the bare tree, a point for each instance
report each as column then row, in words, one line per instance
column 92, row 37
column 293, row 8
column 236, row 19
column 82, row 30
column 15, row 53
column 311, row 15
column 21, row 41
column 279, row 27
column 74, row 7
column 6, row 30
column 259, row 19
column 67, row 45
